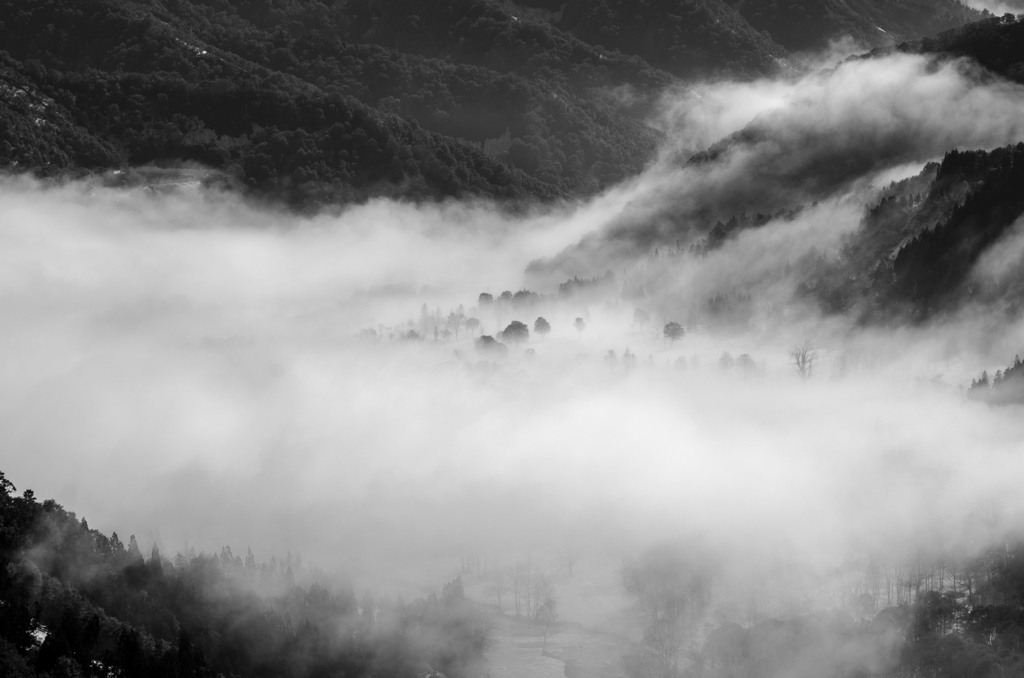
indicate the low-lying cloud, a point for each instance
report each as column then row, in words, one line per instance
column 184, row 368
column 779, row 144
column 187, row 367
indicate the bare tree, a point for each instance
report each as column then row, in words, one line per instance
column 499, row 586
column 455, row 321
column 570, row 555
column 547, row 615
column 519, row 585
column 803, row 356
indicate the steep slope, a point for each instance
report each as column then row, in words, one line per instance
column 304, row 115
column 997, row 43
column 39, row 132
column 918, row 250
column 810, row 24
column 685, row 37
column 474, row 72
column 79, row 603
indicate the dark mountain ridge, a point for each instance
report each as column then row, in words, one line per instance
column 315, row 102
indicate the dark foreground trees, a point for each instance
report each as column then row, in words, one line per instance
column 75, row 602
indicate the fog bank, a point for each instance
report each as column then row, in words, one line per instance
column 185, row 369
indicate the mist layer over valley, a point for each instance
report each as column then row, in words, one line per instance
column 745, row 404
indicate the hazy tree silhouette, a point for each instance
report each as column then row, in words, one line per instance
column 725, row 361
column 673, row 331
column 502, row 306
column 541, row 327
column 640, row 317
column 629, row 359
column 490, row 347
column 580, row 326
column 516, row 332
column 455, row 321
column 547, row 615
column 803, row 356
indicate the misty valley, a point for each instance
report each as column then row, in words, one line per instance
column 481, row 338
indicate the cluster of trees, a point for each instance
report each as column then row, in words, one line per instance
column 938, row 615
column 532, row 589
column 1005, row 387
column 586, row 289
column 77, row 603
column 672, row 587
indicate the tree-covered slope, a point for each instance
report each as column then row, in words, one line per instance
column 918, row 251
column 996, row 43
column 686, row 37
column 285, row 104
column 75, row 602
column 133, row 83
column 474, row 72
column 810, row 24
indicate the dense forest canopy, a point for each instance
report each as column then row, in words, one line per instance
column 316, row 102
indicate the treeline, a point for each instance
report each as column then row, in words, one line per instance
column 1004, row 388
column 78, row 603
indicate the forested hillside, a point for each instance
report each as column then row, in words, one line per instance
column 806, row 24
column 691, row 38
column 315, row 102
column 304, row 101
column 917, row 250
column 995, row 42
column 75, row 602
